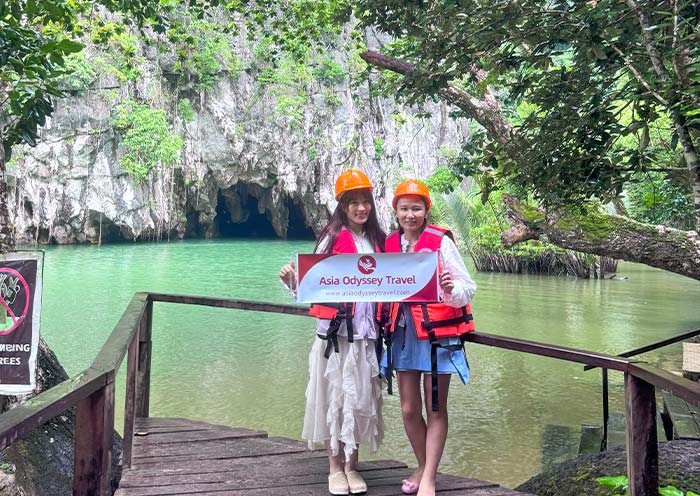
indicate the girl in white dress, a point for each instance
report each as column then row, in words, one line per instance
column 344, row 394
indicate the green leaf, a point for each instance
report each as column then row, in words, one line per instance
column 599, row 52
column 670, row 491
column 613, row 482
column 69, row 46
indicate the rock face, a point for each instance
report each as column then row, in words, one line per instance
column 679, row 466
column 249, row 164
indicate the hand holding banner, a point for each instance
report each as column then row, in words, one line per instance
column 368, row 277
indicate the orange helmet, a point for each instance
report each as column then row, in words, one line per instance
column 349, row 180
column 412, row 187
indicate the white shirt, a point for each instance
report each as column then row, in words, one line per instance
column 363, row 321
column 465, row 287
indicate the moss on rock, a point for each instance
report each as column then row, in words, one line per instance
column 679, row 466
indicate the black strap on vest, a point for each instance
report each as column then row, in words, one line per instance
column 332, row 335
column 383, row 322
column 344, row 312
column 465, row 318
column 348, row 321
column 389, row 364
column 434, row 345
column 429, row 327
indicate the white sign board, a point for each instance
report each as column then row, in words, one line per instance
column 367, row 277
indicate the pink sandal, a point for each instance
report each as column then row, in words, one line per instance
column 409, row 487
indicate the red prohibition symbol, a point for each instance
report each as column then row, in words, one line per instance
column 17, row 315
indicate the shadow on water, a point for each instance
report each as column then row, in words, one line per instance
column 559, row 443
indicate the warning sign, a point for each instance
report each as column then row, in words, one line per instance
column 20, row 309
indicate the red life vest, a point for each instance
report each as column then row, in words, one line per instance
column 444, row 321
column 344, row 244
column 339, row 311
column 433, row 320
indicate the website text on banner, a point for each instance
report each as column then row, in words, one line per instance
column 368, row 277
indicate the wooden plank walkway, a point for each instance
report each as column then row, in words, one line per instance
column 592, row 435
column 683, row 417
column 179, row 456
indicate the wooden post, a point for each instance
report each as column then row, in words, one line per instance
column 94, row 433
column 640, row 429
column 143, row 381
column 130, row 403
column 606, row 411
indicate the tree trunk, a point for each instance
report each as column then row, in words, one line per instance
column 599, row 234
column 690, row 155
column 604, row 234
column 7, row 241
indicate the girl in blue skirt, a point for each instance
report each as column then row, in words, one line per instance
column 424, row 339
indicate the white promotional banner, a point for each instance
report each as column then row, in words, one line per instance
column 367, row 277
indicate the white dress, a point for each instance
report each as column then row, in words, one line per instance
column 344, row 394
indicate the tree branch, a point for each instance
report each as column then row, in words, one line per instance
column 486, row 111
column 690, row 152
column 637, row 75
column 654, row 55
column 390, row 63
column 680, row 58
column 604, row 234
column 615, row 236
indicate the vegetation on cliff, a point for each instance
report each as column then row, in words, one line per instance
column 574, row 102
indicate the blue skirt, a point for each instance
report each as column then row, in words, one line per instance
column 410, row 353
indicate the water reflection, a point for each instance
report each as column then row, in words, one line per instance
column 245, row 369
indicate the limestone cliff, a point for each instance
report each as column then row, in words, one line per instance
column 249, row 164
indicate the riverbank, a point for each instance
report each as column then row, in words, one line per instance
column 679, row 466
column 500, row 424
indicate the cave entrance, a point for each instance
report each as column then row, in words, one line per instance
column 238, row 215
column 103, row 230
column 245, row 222
column 297, row 227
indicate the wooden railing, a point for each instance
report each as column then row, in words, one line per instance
column 92, row 391
column 627, row 354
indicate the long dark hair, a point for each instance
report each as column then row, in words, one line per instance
column 339, row 219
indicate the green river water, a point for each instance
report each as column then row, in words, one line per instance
column 249, row 369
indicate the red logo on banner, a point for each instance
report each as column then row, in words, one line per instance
column 366, row 264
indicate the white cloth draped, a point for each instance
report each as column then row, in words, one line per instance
column 344, row 397
column 344, row 393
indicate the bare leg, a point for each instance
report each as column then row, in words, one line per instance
column 413, row 421
column 335, row 462
column 436, row 432
column 351, row 464
column 356, row 484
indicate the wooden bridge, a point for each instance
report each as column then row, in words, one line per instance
column 169, row 456
column 179, row 456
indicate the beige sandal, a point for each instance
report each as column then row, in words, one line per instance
column 338, row 484
column 356, row 483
